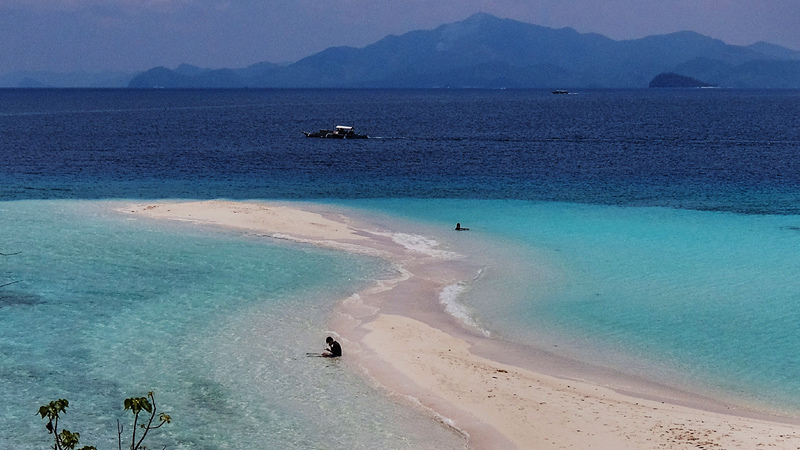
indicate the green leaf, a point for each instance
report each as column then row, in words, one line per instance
column 68, row 439
column 52, row 409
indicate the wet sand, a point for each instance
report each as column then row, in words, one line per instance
column 498, row 394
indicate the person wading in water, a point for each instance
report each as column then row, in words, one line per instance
column 334, row 349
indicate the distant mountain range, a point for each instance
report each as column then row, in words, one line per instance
column 484, row 51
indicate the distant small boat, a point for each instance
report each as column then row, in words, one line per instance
column 560, row 91
column 339, row 132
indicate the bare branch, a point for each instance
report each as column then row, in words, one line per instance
column 119, row 434
column 149, row 426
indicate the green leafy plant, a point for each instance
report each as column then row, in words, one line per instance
column 66, row 440
column 136, row 405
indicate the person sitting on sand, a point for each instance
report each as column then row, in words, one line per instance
column 460, row 228
column 334, row 349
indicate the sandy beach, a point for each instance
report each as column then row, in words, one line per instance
column 497, row 394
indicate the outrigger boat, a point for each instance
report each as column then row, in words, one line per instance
column 339, row 132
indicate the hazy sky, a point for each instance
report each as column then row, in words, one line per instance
column 134, row 35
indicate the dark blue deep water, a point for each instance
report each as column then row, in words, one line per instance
column 695, row 149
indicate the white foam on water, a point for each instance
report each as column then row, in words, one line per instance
column 449, row 298
column 422, row 244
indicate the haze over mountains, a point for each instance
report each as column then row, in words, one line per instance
column 484, row 51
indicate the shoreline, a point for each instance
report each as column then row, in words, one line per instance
column 496, row 393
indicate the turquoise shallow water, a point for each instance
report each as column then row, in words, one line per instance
column 217, row 324
column 705, row 301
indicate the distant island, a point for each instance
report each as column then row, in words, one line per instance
column 486, row 52
column 673, row 80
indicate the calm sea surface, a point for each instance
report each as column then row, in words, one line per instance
column 653, row 230
column 696, row 149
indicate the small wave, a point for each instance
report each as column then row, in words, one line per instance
column 343, row 246
column 449, row 298
column 444, row 420
column 415, row 242
column 421, row 244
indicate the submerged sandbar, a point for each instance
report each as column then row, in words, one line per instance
column 398, row 333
